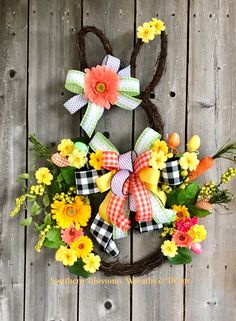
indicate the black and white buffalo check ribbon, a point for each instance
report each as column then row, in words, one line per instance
column 149, row 226
column 171, row 174
column 86, row 181
column 103, row 233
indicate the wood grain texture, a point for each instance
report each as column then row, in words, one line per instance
column 53, row 27
column 211, row 111
column 115, row 19
column 13, row 89
column 173, row 112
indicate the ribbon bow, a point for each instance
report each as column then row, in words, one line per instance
column 132, row 181
column 100, row 87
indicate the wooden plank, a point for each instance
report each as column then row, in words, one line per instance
column 211, row 111
column 115, row 18
column 52, row 51
column 13, row 87
column 162, row 301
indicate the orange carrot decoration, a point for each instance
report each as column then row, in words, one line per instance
column 227, row 151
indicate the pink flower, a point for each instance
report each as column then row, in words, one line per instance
column 101, row 86
column 70, row 234
column 185, row 224
column 182, row 239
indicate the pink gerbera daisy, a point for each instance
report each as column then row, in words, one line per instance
column 101, row 86
column 185, row 224
column 182, row 239
column 71, row 234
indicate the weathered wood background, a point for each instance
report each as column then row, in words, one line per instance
column 197, row 95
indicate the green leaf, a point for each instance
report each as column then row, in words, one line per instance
column 24, row 176
column 78, row 269
column 172, row 198
column 54, row 188
column 183, row 256
column 59, row 178
column 53, row 239
column 35, row 209
column 188, row 195
column 68, row 174
column 30, row 197
column 26, row 221
column 194, row 211
column 46, row 200
column 48, row 219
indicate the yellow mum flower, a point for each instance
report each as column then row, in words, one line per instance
column 198, row 233
column 158, row 160
column 43, row 176
column 169, row 248
column 146, row 32
column 66, row 256
column 77, row 213
column 189, row 161
column 181, row 212
column 160, row 146
column 96, row 159
column 158, row 25
column 77, row 159
column 65, row 147
column 83, row 246
column 92, row 263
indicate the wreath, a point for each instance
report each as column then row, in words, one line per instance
column 88, row 192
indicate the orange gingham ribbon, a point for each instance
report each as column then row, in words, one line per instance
column 127, row 185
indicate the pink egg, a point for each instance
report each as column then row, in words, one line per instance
column 196, row 248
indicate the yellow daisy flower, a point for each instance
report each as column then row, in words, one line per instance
column 181, row 212
column 158, row 160
column 65, row 147
column 198, row 233
column 146, row 32
column 169, row 248
column 158, row 25
column 92, row 263
column 66, row 256
column 77, row 158
column 160, row 146
column 96, row 159
column 189, row 161
column 83, row 246
column 43, row 176
column 77, row 213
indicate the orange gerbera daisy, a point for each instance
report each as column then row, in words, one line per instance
column 182, row 239
column 101, row 86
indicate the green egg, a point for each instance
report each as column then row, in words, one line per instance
column 81, row 147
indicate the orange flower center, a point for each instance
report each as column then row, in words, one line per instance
column 71, row 211
column 180, row 214
column 182, row 238
column 81, row 246
column 100, row 87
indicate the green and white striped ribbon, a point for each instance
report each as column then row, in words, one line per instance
column 146, row 140
column 160, row 213
column 75, row 81
column 100, row 142
column 91, row 117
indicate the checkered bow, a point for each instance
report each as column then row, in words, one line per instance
column 128, row 184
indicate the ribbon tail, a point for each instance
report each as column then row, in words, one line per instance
column 142, row 200
column 126, row 72
column 111, row 62
column 115, row 211
column 103, row 233
column 75, row 103
column 91, row 117
column 100, row 142
column 86, row 181
column 146, row 140
column 127, row 102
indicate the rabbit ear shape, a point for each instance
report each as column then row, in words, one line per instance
column 153, row 115
column 82, row 48
column 161, row 63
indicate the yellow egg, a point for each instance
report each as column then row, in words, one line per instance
column 174, row 140
column 194, row 143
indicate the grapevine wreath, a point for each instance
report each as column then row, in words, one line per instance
column 150, row 188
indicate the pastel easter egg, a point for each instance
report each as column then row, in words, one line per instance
column 81, row 147
column 59, row 160
column 194, row 143
column 204, row 205
column 174, row 140
column 196, row 248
